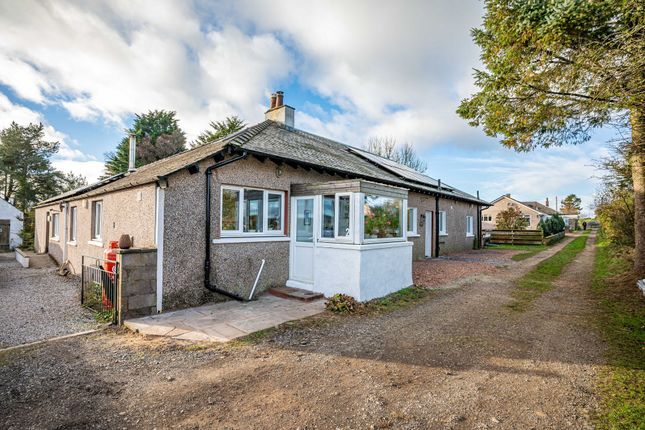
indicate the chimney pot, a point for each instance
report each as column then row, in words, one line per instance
column 546, row 203
column 279, row 112
column 132, row 154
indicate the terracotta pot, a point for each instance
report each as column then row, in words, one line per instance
column 125, row 241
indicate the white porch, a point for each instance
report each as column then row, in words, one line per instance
column 349, row 237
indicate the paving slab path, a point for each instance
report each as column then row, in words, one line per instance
column 459, row 359
column 222, row 322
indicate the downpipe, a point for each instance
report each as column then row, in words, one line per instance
column 208, row 230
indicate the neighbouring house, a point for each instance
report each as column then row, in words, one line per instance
column 313, row 213
column 571, row 221
column 533, row 212
column 10, row 226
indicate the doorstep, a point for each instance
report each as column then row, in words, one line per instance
column 295, row 293
column 222, row 322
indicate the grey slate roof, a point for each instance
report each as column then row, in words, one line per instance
column 276, row 140
column 541, row 208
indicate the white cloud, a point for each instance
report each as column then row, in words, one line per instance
column 108, row 60
column 67, row 159
column 540, row 174
column 392, row 70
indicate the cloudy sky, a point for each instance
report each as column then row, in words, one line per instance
column 351, row 70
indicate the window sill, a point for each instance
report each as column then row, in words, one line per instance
column 414, row 235
column 95, row 243
column 72, row 243
column 250, row 239
column 55, row 238
column 443, row 234
column 470, row 235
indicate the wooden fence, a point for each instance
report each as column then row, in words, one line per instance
column 523, row 237
column 516, row 237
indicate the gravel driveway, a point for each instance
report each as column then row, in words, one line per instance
column 38, row 304
column 459, row 359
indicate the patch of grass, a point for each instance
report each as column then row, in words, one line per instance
column 103, row 316
column 252, row 338
column 397, row 300
column 621, row 321
column 531, row 250
column 539, row 280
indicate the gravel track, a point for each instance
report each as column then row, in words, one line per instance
column 38, row 304
column 459, row 359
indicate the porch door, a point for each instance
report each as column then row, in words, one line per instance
column 303, row 220
column 428, row 236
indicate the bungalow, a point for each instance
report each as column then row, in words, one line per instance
column 303, row 210
column 10, row 226
column 532, row 211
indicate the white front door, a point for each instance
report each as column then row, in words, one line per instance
column 428, row 238
column 303, row 237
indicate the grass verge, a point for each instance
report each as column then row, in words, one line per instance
column 539, row 280
column 621, row 322
column 531, row 250
column 397, row 300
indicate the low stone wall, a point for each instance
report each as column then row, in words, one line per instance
column 22, row 258
column 137, row 288
column 549, row 240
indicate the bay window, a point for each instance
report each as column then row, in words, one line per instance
column 382, row 217
column 251, row 211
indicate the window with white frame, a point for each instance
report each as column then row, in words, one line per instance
column 72, row 223
column 251, row 211
column 469, row 225
column 383, row 217
column 55, row 226
column 443, row 229
column 97, row 219
column 412, row 221
column 336, row 216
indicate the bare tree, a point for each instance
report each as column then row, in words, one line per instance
column 388, row 147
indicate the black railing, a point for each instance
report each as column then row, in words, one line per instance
column 99, row 280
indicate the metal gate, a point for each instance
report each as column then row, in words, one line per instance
column 99, row 280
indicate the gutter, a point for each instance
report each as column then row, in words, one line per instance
column 208, row 229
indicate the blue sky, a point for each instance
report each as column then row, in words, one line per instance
column 351, row 69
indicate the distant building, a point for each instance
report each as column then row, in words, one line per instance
column 10, row 226
column 533, row 212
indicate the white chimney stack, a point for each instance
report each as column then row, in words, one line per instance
column 133, row 153
column 280, row 112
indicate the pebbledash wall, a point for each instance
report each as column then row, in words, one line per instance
column 455, row 239
column 130, row 211
column 234, row 265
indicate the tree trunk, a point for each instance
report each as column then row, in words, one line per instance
column 637, row 162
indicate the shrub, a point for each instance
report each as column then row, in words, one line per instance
column 342, row 304
column 554, row 224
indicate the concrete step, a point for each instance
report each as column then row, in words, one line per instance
column 295, row 293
